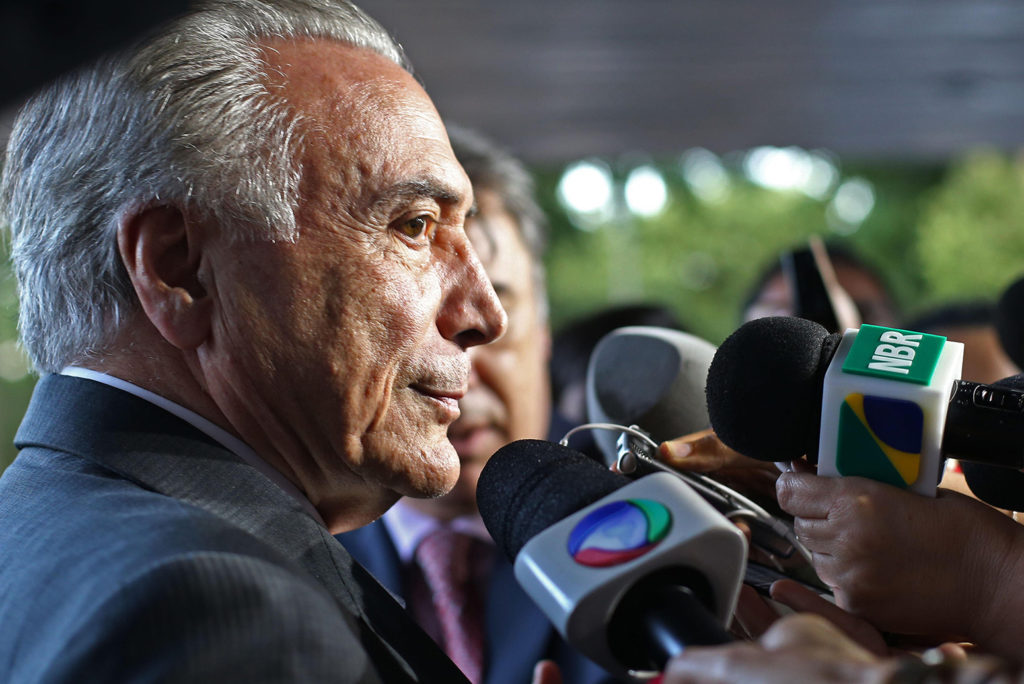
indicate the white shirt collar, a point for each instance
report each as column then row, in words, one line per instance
column 222, row 436
column 408, row 526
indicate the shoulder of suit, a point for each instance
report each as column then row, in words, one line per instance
column 204, row 615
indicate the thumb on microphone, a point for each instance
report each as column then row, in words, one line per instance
column 546, row 672
column 700, row 452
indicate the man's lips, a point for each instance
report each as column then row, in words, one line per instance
column 446, row 397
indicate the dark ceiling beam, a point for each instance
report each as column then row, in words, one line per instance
column 556, row 80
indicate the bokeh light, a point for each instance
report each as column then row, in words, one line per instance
column 705, row 175
column 585, row 190
column 646, row 192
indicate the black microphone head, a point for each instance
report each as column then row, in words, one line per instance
column 1009, row 322
column 764, row 387
column 529, row 485
column 999, row 487
column 651, row 377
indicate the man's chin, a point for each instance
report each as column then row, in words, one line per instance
column 431, row 473
column 446, row 478
column 459, row 500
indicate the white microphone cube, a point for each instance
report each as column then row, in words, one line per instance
column 577, row 570
column 884, row 403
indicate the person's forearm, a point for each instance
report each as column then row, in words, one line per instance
column 996, row 620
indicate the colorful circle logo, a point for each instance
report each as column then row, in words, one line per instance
column 619, row 532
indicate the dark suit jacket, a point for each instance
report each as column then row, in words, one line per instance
column 135, row 548
column 517, row 633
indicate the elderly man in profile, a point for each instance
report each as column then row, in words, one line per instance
column 245, row 282
column 500, row 633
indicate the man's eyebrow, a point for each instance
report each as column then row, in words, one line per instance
column 418, row 188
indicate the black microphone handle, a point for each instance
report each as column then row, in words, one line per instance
column 985, row 424
column 662, row 615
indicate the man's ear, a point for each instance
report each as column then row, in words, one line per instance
column 162, row 250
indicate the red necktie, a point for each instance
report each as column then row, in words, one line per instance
column 446, row 559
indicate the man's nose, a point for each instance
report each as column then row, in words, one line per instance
column 471, row 313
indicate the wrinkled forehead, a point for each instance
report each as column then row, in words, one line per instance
column 362, row 110
column 383, row 115
column 350, row 89
column 309, row 69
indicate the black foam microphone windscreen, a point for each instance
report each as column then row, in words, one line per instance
column 529, row 485
column 629, row 572
column 764, row 387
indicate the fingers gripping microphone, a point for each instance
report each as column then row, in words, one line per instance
column 876, row 402
column 648, row 376
column 630, row 573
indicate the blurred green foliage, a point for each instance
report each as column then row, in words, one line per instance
column 937, row 233
column 969, row 240
column 701, row 259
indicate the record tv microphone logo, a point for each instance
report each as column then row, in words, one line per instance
column 619, row 532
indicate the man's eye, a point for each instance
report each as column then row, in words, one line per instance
column 416, row 228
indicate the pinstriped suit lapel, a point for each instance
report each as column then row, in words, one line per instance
column 145, row 444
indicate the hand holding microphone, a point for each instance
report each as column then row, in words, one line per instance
column 654, row 379
column 908, row 563
column 878, row 402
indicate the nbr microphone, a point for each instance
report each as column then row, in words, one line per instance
column 885, row 400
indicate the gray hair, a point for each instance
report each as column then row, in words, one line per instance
column 491, row 168
column 187, row 117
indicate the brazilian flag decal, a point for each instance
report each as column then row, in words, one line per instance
column 880, row 438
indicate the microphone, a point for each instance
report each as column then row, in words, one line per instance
column 648, row 376
column 876, row 402
column 653, row 379
column 994, row 485
column 629, row 572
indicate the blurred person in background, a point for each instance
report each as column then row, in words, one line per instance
column 973, row 324
column 776, row 292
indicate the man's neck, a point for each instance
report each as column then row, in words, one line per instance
column 226, row 439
